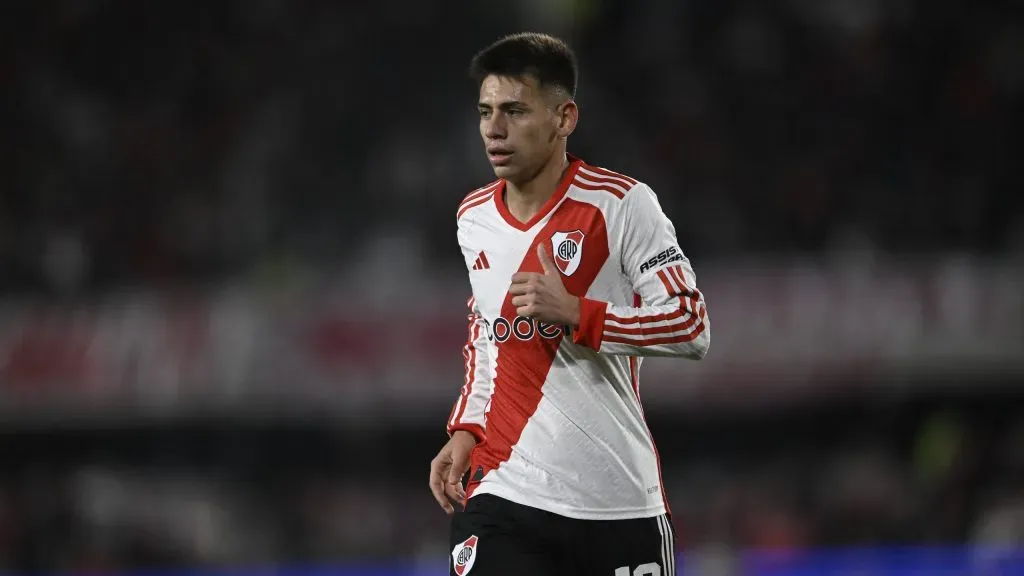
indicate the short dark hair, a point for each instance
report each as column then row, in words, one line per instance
column 550, row 60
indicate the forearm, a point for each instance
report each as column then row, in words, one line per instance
column 469, row 411
column 678, row 328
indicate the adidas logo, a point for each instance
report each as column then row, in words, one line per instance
column 481, row 262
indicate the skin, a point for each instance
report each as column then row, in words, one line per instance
column 532, row 124
column 524, row 127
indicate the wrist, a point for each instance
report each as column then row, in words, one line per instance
column 469, row 432
column 575, row 304
column 590, row 330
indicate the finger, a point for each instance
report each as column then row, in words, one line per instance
column 455, row 492
column 455, row 476
column 458, row 469
column 527, row 311
column 437, row 489
column 522, row 277
column 460, row 464
column 520, row 289
column 546, row 262
column 524, row 300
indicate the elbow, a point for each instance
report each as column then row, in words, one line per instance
column 702, row 345
column 697, row 348
column 699, row 337
column 703, row 341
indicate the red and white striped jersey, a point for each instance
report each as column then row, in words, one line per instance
column 557, row 410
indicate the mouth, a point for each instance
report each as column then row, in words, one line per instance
column 499, row 156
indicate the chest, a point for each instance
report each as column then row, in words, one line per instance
column 575, row 235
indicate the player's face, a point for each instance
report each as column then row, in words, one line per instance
column 519, row 126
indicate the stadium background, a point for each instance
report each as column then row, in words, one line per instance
column 231, row 310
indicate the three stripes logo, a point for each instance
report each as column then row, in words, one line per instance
column 481, row 262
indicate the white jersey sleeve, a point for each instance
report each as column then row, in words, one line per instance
column 671, row 317
column 470, row 410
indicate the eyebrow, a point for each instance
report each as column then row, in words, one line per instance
column 504, row 105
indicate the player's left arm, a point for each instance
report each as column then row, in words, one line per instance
column 672, row 318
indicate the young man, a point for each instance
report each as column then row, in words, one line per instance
column 576, row 275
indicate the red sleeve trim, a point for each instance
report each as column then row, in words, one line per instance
column 591, row 328
column 475, row 429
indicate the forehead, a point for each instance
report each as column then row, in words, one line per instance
column 497, row 89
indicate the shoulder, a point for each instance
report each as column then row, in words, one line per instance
column 476, row 198
column 602, row 181
column 622, row 198
column 615, row 193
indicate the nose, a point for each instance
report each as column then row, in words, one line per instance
column 494, row 127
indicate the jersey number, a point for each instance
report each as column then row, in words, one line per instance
column 649, row 569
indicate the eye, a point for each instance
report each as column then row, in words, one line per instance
column 515, row 112
column 484, row 113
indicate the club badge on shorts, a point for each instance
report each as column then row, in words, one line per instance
column 464, row 555
column 568, row 250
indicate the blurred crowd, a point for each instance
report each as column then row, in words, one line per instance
column 161, row 143
column 189, row 144
column 255, row 494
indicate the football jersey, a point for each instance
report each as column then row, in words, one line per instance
column 556, row 410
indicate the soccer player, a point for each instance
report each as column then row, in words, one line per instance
column 576, row 276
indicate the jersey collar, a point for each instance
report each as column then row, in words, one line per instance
column 560, row 191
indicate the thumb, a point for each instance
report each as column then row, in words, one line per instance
column 460, row 461
column 547, row 264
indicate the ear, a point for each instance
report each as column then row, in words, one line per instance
column 567, row 115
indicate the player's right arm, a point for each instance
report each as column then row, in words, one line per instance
column 468, row 418
column 469, row 411
column 467, row 422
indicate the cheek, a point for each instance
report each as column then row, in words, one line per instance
column 544, row 137
column 533, row 134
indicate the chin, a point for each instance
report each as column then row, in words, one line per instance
column 505, row 172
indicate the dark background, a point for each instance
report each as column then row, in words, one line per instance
column 231, row 295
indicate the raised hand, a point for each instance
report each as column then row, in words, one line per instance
column 543, row 297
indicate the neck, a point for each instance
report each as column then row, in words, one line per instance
column 525, row 199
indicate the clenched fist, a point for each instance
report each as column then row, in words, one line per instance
column 543, row 297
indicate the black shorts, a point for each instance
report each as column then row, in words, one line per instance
column 495, row 537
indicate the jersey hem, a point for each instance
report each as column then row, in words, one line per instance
column 574, row 513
